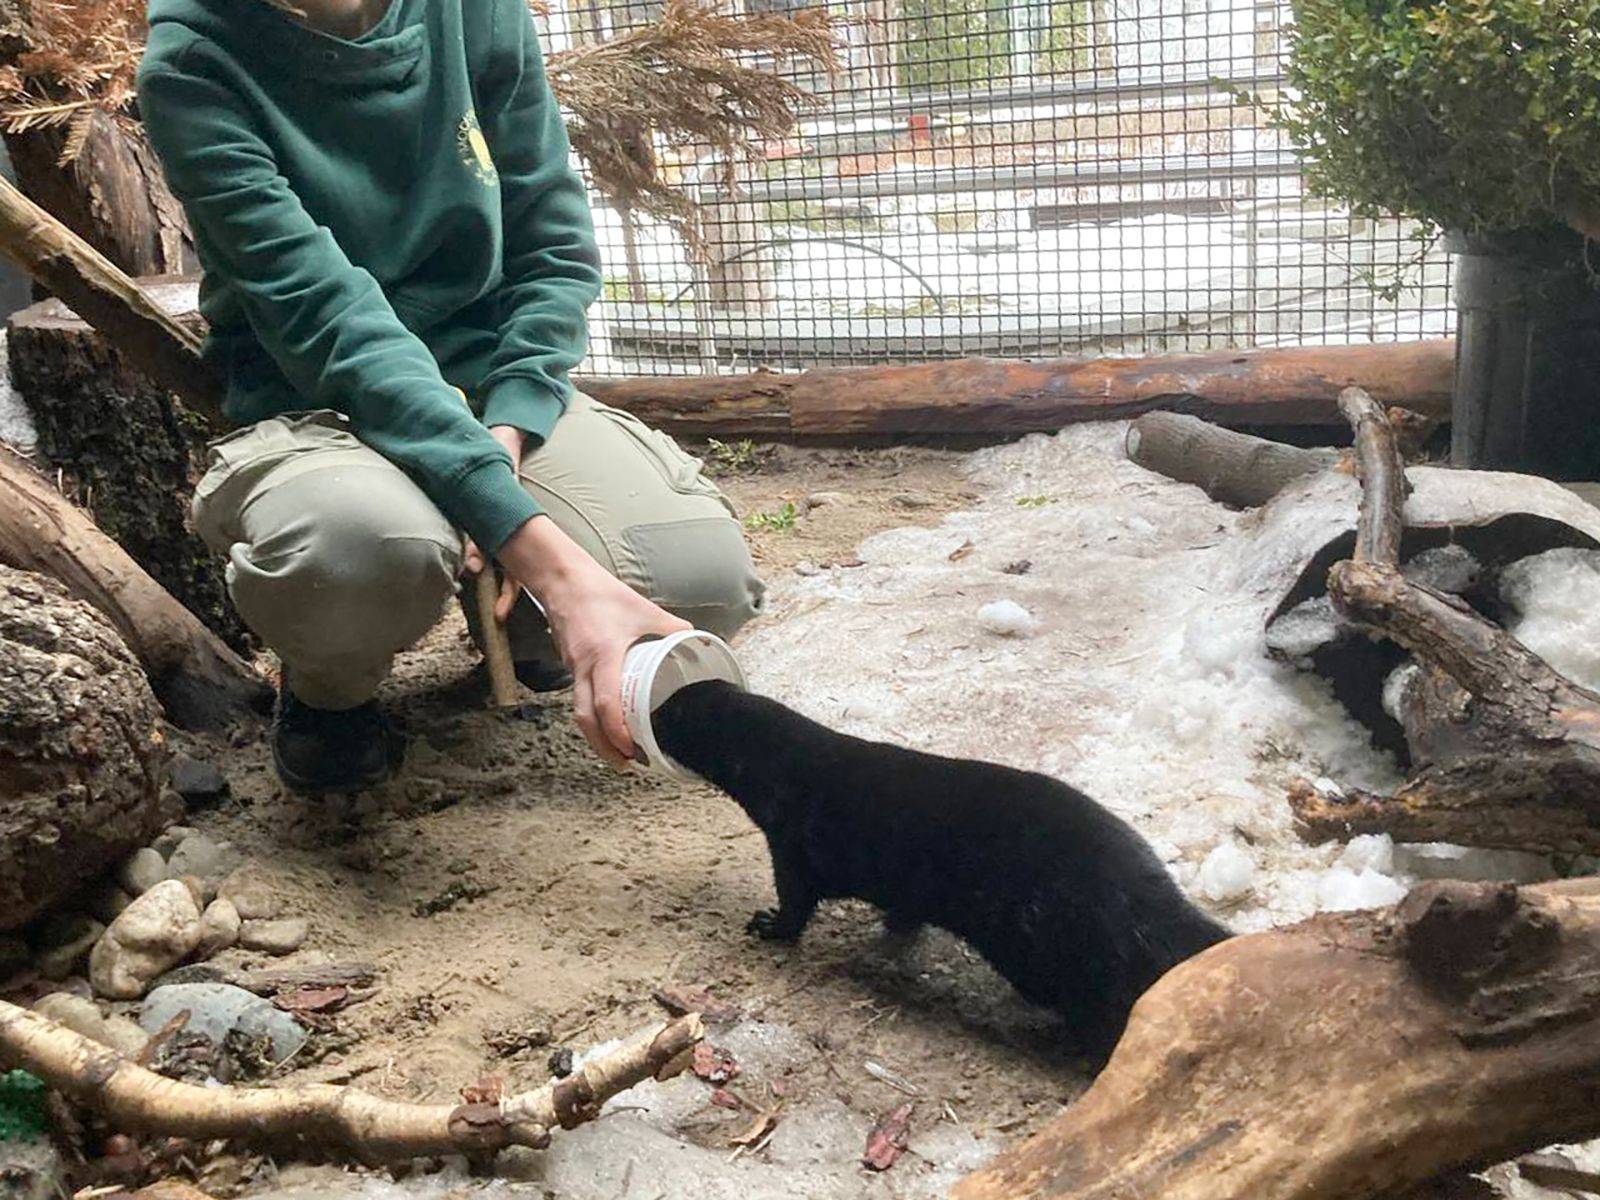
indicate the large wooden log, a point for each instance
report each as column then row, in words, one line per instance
column 994, row 397
column 1351, row 1057
column 81, row 758
column 202, row 683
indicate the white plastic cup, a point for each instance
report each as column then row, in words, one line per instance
column 655, row 668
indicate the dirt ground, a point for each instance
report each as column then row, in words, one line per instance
column 512, row 889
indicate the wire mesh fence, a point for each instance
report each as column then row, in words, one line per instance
column 1009, row 178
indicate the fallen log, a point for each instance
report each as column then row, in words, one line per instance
column 325, row 1116
column 994, row 397
column 1000, row 398
column 1505, row 750
column 200, row 682
column 1232, row 468
column 1350, row 1057
column 81, row 755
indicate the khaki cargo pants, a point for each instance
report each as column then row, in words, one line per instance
column 338, row 561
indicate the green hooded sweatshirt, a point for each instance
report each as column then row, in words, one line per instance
column 380, row 222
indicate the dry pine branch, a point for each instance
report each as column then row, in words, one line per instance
column 322, row 1115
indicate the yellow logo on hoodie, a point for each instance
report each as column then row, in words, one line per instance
column 474, row 149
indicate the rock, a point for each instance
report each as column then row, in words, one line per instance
column 141, row 871
column 84, row 1016
column 282, row 936
column 106, row 900
column 157, row 931
column 198, row 782
column 65, row 943
column 81, row 740
column 1008, row 619
column 822, row 499
column 194, row 972
column 216, row 1008
column 199, row 855
column 911, row 500
column 171, row 839
column 250, row 894
column 219, row 928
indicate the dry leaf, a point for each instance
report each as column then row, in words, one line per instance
column 679, row 999
column 889, row 1138
column 714, row 1064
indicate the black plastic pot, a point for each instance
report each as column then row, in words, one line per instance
column 1527, row 395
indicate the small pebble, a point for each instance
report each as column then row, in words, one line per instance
column 250, row 894
column 198, row 782
column 157, row 931
column 171, row 839
column 283, row 935
column 199, row 855
column 561, row 1062
column 84, row 1016
column 141, row 871
column 219, row 928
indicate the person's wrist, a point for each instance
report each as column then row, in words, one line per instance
column 545, row 560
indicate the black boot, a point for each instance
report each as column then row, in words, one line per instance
column 333, row 750
column 539, row 676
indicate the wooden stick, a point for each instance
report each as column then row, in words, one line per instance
column 163, row 347
column 342, row 1118
column 1383, row 479
column 504, row 691
column 1351, row 1057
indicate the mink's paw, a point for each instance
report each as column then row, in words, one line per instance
column 771, row 925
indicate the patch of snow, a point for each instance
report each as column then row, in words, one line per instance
column 1369, row 852
column 1148, row 684
column 1556, row 596
column 1007, row 618
column 1394, row 688
column 1227, row 874
column 1343, row 890
column 1449, row 568
column 1304, row 629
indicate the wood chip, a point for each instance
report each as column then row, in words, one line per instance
column 487, row 1090
column 961, row 551
column 680, row 999
column 889, row 1138
column 759, row 1129
column 883, row 1075
column 313, row 999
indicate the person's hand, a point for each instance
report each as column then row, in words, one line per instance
column 511, row 438
column 595, row 618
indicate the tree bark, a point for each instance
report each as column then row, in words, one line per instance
column 112, row 194
column 1350, row 1057
column 1236, row 469
column 201, row 683
column 81, row 758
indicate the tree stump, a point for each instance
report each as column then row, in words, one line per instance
column 81, row 751
column 130, row 454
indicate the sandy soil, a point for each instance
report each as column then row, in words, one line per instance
column 566, row 894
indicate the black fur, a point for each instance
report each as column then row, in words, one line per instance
column 1063, row 898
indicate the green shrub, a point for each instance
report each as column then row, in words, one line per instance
column 1475, row 115
column 22, row 1114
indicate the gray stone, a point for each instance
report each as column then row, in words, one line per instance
column 198, row 782
column 251, row 894
column 171, row 839
column 65, row 943
column 219, row 928
column 84, row 1016
column 141, row 871
column 284, row 935
column 216, row 1008
column 199, row 855
column 157, row 931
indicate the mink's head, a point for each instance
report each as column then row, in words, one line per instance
column 735, row 740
